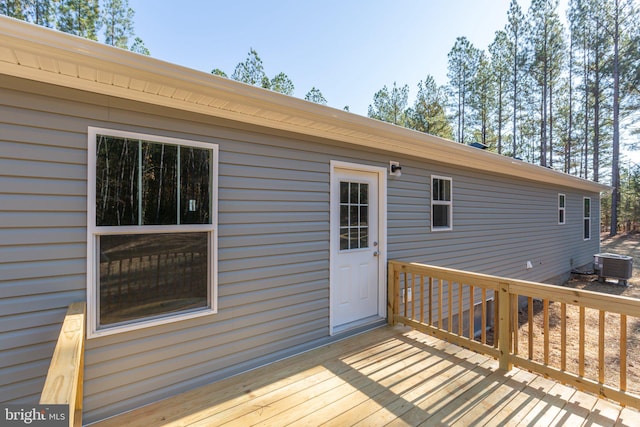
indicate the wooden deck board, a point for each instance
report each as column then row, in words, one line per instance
column 389, row 376
column 577, row 409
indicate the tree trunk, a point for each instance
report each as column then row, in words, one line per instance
column 500, row 115
column 586, row 113
column 567, row 146
column 515, row 90
column 550, row 121
column 596, row 121
column 615, row 169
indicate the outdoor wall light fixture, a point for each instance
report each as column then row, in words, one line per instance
column 395, row 169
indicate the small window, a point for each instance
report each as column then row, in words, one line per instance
column 587, row 218
column 151, row 230
column 441, row 203
column 562, row 200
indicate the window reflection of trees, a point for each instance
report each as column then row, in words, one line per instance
column 142, row 183
column 137, row 183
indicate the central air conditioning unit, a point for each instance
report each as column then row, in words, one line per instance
column 613, row 266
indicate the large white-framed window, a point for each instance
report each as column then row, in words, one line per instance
column 586, row 216
column 151, row 230
column 441, row 203
column 562, row 206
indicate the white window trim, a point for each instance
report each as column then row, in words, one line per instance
column 562, row 208
column 584, row 217
column 93, row 231
column 438, row 202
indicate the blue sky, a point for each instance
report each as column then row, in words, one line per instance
column 349, row 49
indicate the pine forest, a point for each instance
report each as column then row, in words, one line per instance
column 557, row 89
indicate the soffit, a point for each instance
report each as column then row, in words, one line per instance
column 49, row 56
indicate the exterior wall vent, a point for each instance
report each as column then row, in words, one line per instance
column 479, row 145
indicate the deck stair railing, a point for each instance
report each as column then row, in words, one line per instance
column 64, row 382
column 538, row 327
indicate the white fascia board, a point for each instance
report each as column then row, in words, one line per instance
column 211, row 95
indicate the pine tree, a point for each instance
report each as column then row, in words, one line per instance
column 12, row 9
column 590, row 24
column 463, row 66
column 314, row 95
column 219, row 72
column 515, row 31
column 428, row 113
column 390, row 106
column 40, row 12
column 499, row 50
column 547, row 44
column 79, row 17
column 482, row 100
column 579, row 35
column 117, row 18
column 139, row 47
column 570, row 112
column 625, row 34
column 281, row 83
column 251, row 71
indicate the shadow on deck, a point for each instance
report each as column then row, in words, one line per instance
column 388, row 376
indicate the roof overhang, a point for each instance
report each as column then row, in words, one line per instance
column 32, row 52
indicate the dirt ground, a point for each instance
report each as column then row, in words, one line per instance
column 625, row 244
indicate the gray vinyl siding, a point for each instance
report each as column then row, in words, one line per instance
column 273, row 238
column 498, row 225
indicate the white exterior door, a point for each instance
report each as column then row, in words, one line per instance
column 356, row 248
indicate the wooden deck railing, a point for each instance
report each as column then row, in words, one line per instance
column 63, row 385
column 537, row 317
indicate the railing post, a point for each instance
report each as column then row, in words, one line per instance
column 504, row 319
column 391, row 294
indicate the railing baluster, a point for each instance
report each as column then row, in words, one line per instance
column 545, row 311
column 440, row 295
column 397, row 296
column 450, row 314
column 563, row 336
column 430, row 300
column 581, row 344
column 460, row 310
column 405, row 300
column 483, row 332
column 623, row 352
column 496, row 317
column 514, row 323
column 471, row 312
column 530, row 326
column 413, row 296
column 601, row 321
column 422, row 298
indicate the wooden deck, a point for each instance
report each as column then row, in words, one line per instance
column 389, row 376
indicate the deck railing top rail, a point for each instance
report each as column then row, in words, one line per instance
column 532, row 325
column 590, row 299
column 64, row 382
